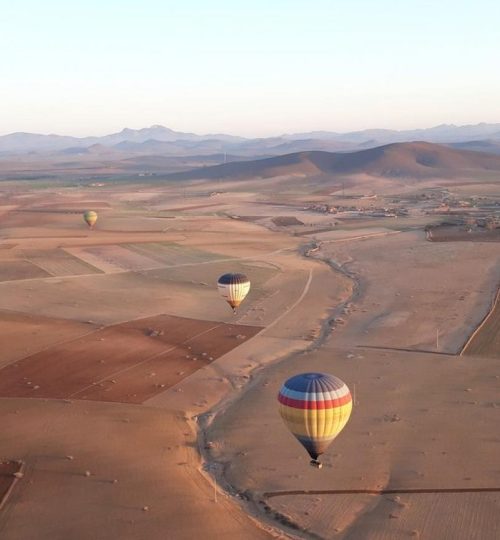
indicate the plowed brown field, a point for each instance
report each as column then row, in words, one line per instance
column 13, row 270
column 129, row 362
column 459, row 234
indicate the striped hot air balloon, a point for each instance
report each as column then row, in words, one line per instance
column 90, row 217
column 233, row 288
column 315, row 407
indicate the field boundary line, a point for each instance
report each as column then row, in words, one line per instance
column 6, row 496
column 400, row 349
column 272, row 494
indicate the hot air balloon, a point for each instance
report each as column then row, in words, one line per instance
column 315, row 407
column 233, row 288
column 90, row 218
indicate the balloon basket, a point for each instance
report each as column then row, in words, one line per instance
column 316, row 464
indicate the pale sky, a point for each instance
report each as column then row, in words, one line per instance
column 253, row 68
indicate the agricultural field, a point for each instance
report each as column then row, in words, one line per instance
column 140, row 256
column 22, row 334
column 121, row 258
column 169, row 254
column 19, row 269
column 462, row 234
column 286, row 221
column 129, row 363
column 58, row 262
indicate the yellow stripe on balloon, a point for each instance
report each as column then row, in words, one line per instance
column 321, row 423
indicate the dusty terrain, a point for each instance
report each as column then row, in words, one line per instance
column 141, row 407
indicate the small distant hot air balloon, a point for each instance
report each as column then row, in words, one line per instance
column 90, row 218
column 233, row 288
column 315, row 407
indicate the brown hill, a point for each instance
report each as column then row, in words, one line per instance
column 398, row 160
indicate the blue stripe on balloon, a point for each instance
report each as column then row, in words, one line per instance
column 314, row 396
column 313, row 382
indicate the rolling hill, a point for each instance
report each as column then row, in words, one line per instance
column 398, row 160
column 490, row 146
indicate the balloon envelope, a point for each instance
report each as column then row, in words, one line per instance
column 315, row 407
column 233, row 288
column 90, row 217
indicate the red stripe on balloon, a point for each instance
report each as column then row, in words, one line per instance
column 313, row 404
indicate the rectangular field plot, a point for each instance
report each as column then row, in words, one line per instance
column 140, row 257
column 130, row 362
column 120, row 258
column 58, row 262
column 14, row 270
column 169, row 254
column 445, row 233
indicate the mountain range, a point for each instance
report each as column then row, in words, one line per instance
column 160, row 140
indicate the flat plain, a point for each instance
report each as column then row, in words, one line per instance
column 141, row 407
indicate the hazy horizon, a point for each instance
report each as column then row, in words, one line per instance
column 257, row 70
column 212, row 132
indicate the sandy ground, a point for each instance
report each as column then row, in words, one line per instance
column 434, row 291
column 142, row 478
column 422, row 419
column 416, row 424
